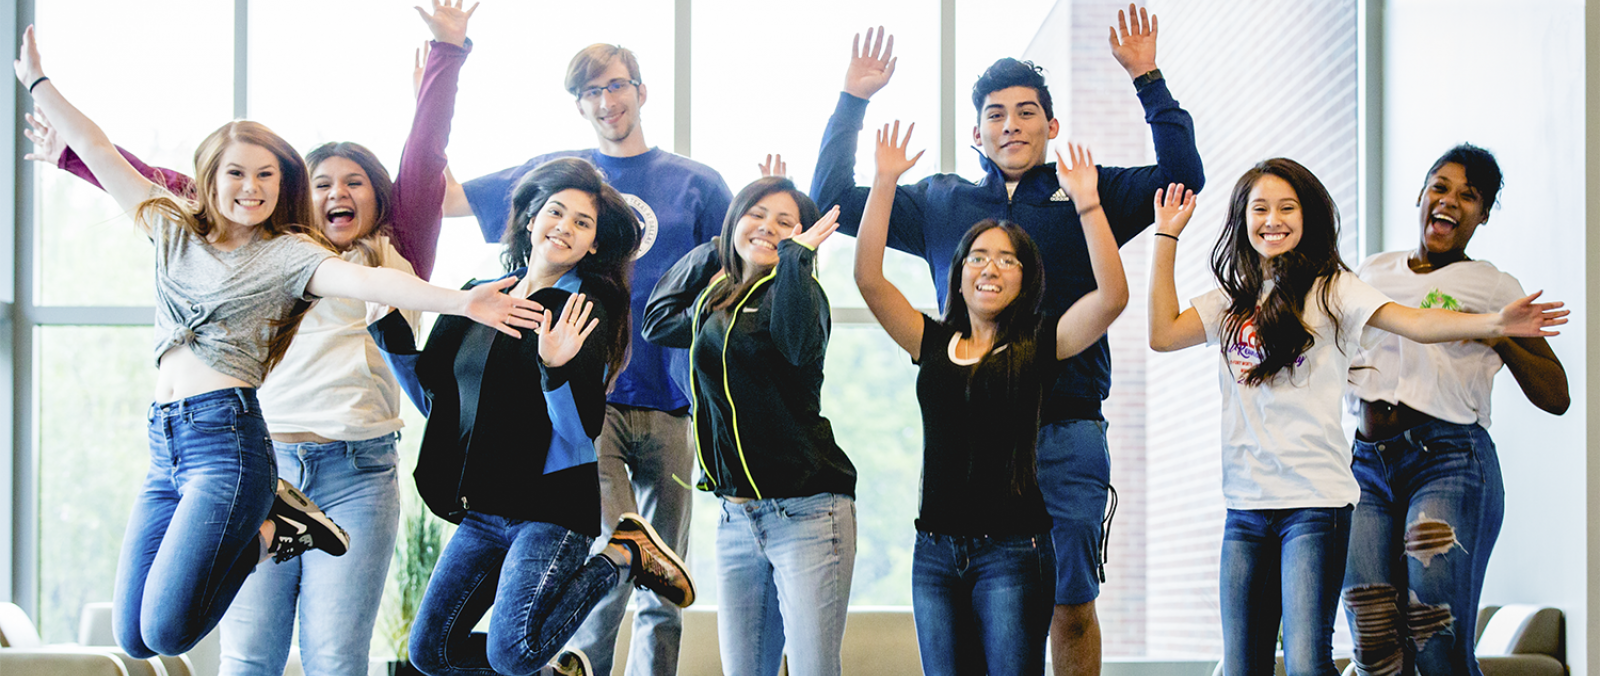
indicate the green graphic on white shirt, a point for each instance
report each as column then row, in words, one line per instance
column 1441, row 300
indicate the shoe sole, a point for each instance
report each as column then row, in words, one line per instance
column 302, row 505
column 661, row 546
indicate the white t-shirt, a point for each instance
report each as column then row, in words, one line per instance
column 1283, row 444
column 1449, row 381
column 333, row 380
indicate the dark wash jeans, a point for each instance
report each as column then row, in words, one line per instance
column 1431, row 506
column 1282, row 565
column 982, row 604
column 540, row 580
column 193, row 535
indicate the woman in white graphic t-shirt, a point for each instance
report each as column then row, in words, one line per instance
column 1431, row 492
column 1288, row 318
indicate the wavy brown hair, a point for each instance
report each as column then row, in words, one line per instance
column 1241, row 273
column 201, row 215
column 607, row 271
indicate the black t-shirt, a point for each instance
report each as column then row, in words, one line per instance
column 971, row 424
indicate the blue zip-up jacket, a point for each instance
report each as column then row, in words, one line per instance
column 930, row 218
column 492, row 445
column 756, row 376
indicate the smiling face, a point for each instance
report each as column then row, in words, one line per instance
column 762, row 226
column 1273, row 217
column 1014, row 131
column 564, row 228
column 1450, row 210
column 614, row 115
column 247, row 182
column 987, row 284
column 343, row 199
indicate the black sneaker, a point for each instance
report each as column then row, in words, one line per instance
column 571, row 662
column 301, row 526
column 655, row 566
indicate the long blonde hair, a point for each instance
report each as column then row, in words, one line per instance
column 200, row 214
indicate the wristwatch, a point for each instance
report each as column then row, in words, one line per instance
column 1139, row 83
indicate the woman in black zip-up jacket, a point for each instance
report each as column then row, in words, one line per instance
column 756, row 321
column 517, row 470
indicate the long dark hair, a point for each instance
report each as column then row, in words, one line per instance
column 382, row 191
column 1009, row 374
column 741, row 276
column 605, row 272
column 1239, row 271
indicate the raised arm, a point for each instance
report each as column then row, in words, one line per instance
column 1537, row 370
column 561, row 341
column 1523, row 318
column 886, row 302
column 120, row 179
column 1169, row 329
column 420, row 188
column 1091, row 315
column 483, row 303
column 801, row 320
column 669, row 315
column 48, row 148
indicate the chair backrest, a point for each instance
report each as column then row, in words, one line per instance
column 16, row 630
column 1484, row 614
column 1523, row 629
column 94, row 625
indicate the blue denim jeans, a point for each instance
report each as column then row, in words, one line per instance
column 210, row 485
column 784, row 567
column 640, row 450
column 540, row 580
column 355, row 484
column 1282, row 564
column 1431, row 506
column 1075, row 477
column 982, row 604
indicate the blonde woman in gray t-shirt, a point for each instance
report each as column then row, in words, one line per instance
column 235, row 272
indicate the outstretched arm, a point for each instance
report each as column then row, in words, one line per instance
column 1091, row 315
column 1537, row 370
column 801, row 321
column 121, row 181
column 1522, row 318
column 1169, row 329
column 50, row 149
column 886, row 302
column 483, row 303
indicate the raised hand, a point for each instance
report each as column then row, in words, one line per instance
column 47, row 146
column 1080, row 178
column 27, row 64
column 1174, row 206
column 560, row 339
column 448, row 23
column 1527, row 319
column 487, row 306
column 891, row 155
column 819, row 232
column 1134, row 46
column 774, row 166
column 871, row 65
column 419, row 65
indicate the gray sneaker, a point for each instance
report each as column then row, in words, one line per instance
column 655, row 566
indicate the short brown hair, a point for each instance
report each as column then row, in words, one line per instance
column 593, row 60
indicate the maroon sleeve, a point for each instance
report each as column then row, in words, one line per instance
column 419, row 187
column 173, row 181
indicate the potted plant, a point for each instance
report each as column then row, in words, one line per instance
column 415, row 554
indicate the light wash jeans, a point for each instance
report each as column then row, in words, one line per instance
column 982, row 604
column 640, row 450
column 1431, row 506
column 540, row 580
column 1282, row 565
column 337, row 597
column 784, row 567
column 194, row 534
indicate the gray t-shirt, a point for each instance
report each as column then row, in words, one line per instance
column 223, row 304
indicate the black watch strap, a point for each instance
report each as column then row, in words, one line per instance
column 1139, row 83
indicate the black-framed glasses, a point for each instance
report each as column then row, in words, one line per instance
column 613, row 87
column 981, row 261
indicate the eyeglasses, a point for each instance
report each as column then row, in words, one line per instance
column 613, row 87
column 981, row 261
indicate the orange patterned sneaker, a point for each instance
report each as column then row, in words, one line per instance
column 655, row 566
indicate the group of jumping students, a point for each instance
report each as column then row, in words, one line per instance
column 651, row 326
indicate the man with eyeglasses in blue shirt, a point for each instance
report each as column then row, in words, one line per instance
column 644, row 448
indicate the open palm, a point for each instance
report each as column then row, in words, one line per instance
column 560, row 340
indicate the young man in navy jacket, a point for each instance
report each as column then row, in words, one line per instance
column 645, row 442
column 1015, row 125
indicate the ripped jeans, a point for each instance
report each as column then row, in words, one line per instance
column 1431, row 506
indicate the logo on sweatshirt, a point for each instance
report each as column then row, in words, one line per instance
column 1441, row 300
column 648, row 225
